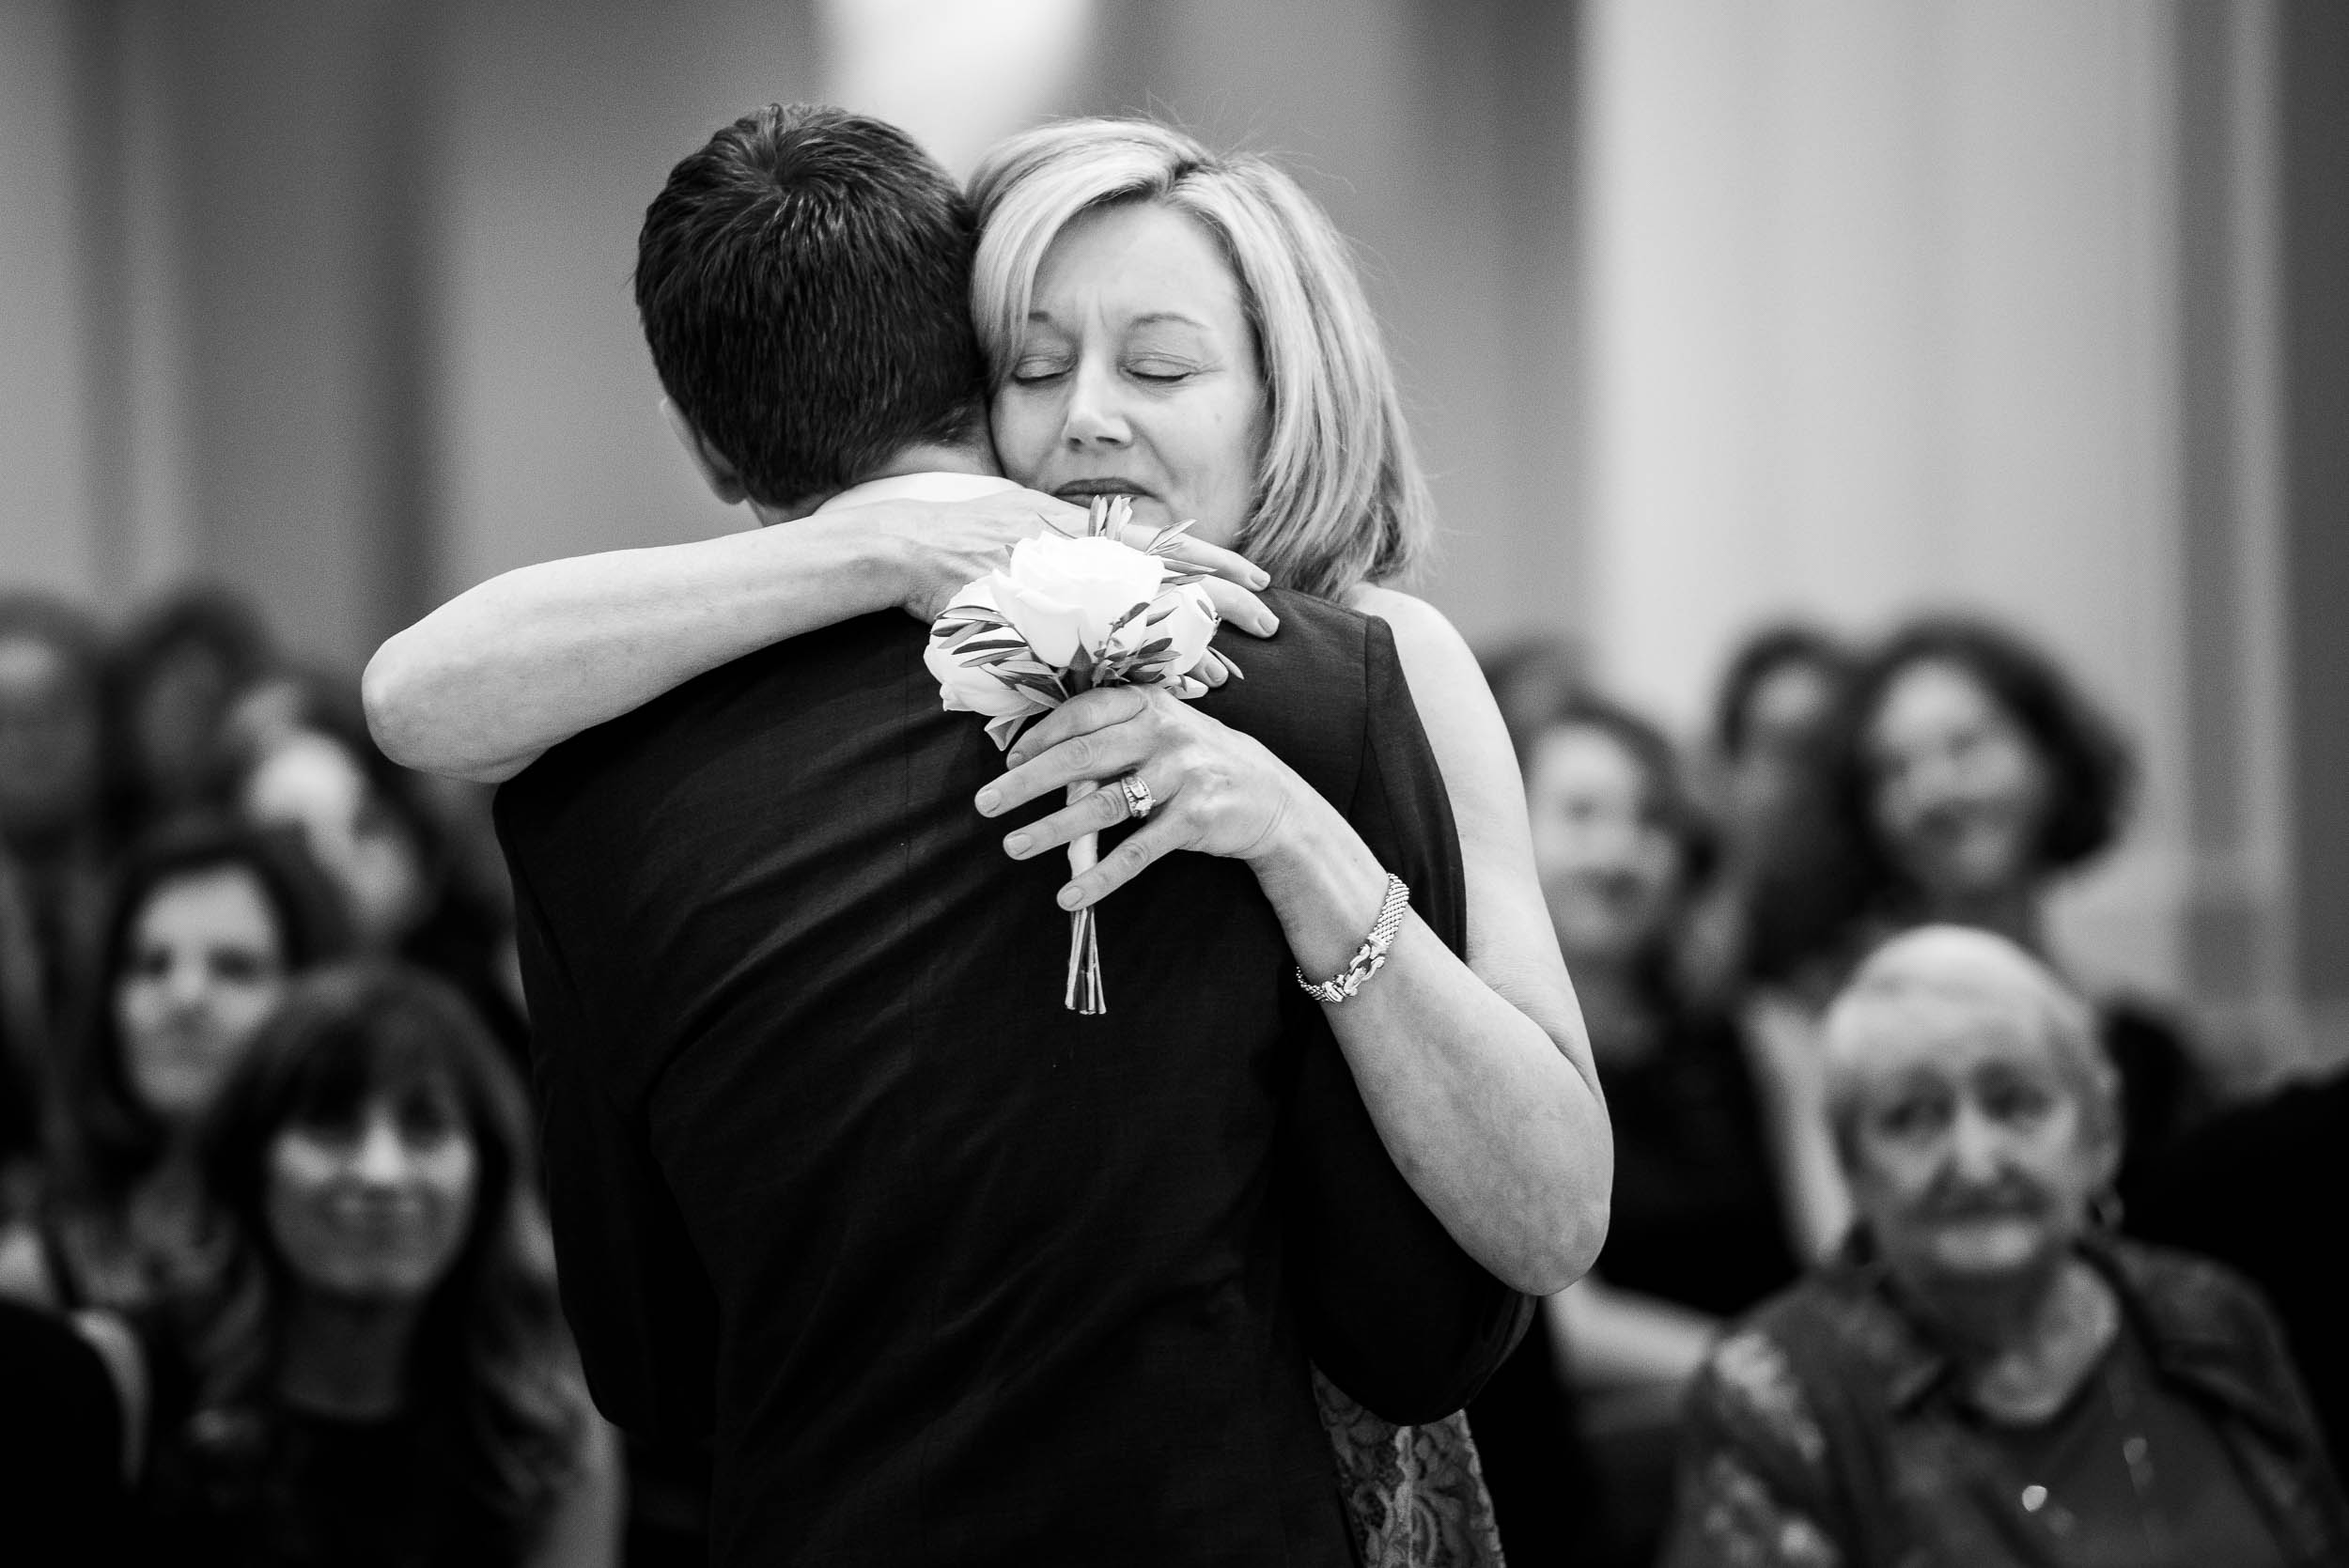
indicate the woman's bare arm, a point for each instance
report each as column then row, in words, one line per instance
column 1476, row 1073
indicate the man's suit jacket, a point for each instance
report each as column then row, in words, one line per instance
column 947, row 1272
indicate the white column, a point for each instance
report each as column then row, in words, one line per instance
column 1883, row 318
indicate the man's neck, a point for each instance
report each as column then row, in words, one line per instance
column 921, row 457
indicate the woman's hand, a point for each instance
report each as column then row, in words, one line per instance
column 1216, row 791
column 945, row 545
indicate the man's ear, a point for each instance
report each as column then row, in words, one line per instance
column 716, row 471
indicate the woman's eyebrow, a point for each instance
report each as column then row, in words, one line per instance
column 1156, row 317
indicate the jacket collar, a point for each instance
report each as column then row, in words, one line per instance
column 2179, row 1317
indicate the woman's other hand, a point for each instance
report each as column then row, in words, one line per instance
column 1216, row 791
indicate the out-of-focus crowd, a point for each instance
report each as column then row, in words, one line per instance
column 1875, row 1153
column 274, row 1282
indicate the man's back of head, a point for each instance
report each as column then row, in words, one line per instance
column 803, row 281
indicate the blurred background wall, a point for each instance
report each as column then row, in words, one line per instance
column 1708, row 312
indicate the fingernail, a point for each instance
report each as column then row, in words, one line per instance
column 1016, row 843
column 1270, row 625
column 1070, row 897
column 989, row 800
column 1260, row 578
column 1014, row 759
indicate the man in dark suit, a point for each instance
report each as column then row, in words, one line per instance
column 945, row 1271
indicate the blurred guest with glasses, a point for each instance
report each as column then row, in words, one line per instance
column 1984, row 1375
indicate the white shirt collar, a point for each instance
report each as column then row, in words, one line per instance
column 919, row 487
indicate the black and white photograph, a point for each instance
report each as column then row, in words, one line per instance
column 1174, row 783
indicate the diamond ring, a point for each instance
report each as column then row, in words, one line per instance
column 1140, row 802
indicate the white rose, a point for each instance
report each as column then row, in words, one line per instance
column 972, row 689
column 1061, row 594
column 1186, row 616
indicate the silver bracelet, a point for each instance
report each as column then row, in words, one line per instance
column 1371, row 955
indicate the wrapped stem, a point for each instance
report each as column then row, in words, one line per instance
column 1083, row 994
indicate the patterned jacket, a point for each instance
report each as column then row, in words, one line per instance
column 1823, row 1431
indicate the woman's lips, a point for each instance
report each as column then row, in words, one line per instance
column 1083, row 490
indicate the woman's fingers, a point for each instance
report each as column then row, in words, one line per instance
column 1240, row 608
column 1120, row 865
column 1088, row 736
column 1228, row 566
column 1104, row 808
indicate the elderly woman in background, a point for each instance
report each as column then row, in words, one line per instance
column 1985, row 1377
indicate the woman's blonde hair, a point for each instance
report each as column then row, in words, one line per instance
column 1339, row 496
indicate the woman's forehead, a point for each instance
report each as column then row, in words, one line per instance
column 1138, row 262
column 1937, row 1032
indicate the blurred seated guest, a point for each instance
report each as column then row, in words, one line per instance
column 1530, row 675
column 1773, row 727
column 2258, row 1187
column 1972, row 776
column 173, row 678
column 23, row 1051
column 309, row 764
column 1985, row 1377
column 61, row 1445
column 380, row 1376
column 1696, row 1232
column 205, row 922
column 52, row 780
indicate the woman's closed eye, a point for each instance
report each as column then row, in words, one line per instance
column 1035, row 369
column 1161, row 371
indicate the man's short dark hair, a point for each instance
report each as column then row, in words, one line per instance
column 805, row 282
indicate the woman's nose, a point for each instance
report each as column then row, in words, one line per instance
column 1977, row 1148
column 1095, row 417
column 381, row 1158
column 187, row 983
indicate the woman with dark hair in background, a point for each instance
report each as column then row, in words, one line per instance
column 172, row 681
column 377, row 1375
column 1970, row 775
column 1777, row 881
column 1697, row 1233
column 52, row 782
column 396, row 855
column 204, row 924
